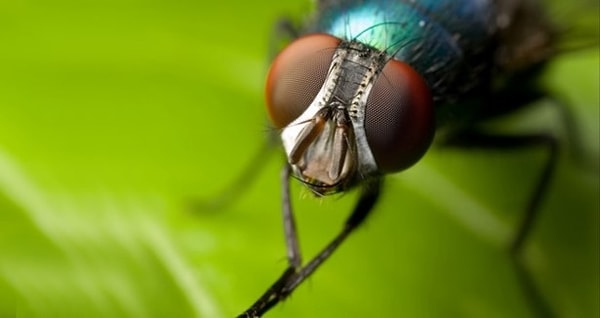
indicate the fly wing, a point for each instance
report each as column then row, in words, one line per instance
column 327, row 3
column 324, row 5
column 577, row 21
column 525, row 34
column 532, row 31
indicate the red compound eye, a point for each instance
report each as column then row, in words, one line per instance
column 297, row 75
column 399, row 121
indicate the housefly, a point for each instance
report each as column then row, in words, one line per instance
column 364, row 87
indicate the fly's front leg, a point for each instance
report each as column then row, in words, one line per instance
column 238, row 186
column 274, row 293
column 368, row 199
column 284, row 31
column 477, row 139
column 294, row 275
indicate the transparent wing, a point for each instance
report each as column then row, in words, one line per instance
column 532, row 31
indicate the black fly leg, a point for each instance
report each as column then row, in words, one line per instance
column 476, row 139
column 242, row 182
column 295, row 275
column 269, row 298
column 369, row 196
column 289, row 223
column 283, row 32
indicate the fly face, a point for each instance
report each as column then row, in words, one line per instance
column 347, row 112
column 322, row 149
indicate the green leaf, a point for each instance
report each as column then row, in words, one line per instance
column 117, row 116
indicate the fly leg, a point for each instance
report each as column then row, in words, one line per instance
column 477, row 139
column 283, row 32
column 274, row 294
column 235, row 190
column 294, row 275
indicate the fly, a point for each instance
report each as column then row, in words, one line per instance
column 363, row 91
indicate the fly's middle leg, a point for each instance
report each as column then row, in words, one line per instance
column 481, row 140
column 295, row 273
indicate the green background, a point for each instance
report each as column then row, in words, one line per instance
column 118, row 117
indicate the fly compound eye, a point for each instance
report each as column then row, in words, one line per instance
column 399, row 122
column 297, row 75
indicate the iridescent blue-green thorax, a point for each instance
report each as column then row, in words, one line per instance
column 354, row 97
column 444, row 40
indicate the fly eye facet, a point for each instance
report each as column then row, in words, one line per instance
column 297, row 75
column 399, row 121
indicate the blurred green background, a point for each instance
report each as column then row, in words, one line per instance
column 116, row 115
